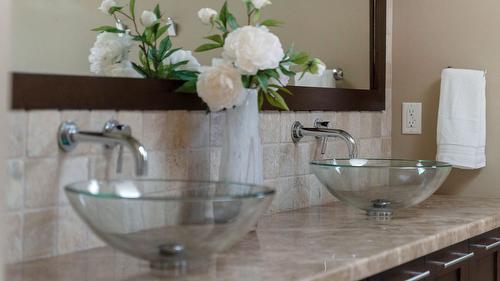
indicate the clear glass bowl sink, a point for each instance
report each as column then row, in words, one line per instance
column 380, row 186
column 171, row 224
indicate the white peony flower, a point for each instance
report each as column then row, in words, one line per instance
column 122, row 69
column 252, row 49
column 181, row 55
column 148, row 18
column 259, row 4
column 318, row 67
column 221, row 87
column 109, row 49
column 106, row 5
column 206, row 15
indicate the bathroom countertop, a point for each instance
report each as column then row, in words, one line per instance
column 330, row 242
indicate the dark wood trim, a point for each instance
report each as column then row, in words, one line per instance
column 47, row 91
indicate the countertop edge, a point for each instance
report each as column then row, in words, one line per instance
column 367, row 267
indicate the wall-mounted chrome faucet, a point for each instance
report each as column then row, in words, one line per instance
column 322, row 131
column 112, row 135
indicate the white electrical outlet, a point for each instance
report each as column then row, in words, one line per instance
column 412, row 118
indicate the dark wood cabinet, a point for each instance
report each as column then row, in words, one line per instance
column 477, row 259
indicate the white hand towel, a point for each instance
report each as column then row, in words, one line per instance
column 321, row 81
column 461, row 133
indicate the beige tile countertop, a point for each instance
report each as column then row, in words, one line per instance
column 331, row 242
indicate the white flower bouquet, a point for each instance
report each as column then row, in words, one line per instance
column 157, row 57
column 252, row 59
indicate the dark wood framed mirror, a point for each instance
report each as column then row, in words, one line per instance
column 32, row 91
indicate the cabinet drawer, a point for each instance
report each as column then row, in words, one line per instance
column 412, row 271
column 485, row 244
column 451, row 263
column 486, row 262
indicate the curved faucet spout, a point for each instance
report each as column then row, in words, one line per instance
column 114, row 134
column 299, row 131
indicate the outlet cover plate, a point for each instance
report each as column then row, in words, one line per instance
column 412, row 118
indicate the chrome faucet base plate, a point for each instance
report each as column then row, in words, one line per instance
column 64, row 139
column 296, row 135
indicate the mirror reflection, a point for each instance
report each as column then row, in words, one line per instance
column 54, row 36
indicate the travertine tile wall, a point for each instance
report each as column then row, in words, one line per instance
column 181, row 144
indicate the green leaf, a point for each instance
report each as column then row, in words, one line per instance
column 161, row 31
column 223, row 15
column 271, row 23
column 287, row 72
column 140, row 70
column 139, row 38
column 272, row 73
column 107, row 28
column 274, row 99
column 261, row 99
column 231, row 20
column 263, row 80
column 249, row 6
column 165, row 45
column 169, row 53
column 148, row 36
column 132, row 8
column 216, row 38
column 142, row 58
column 207, row 47
column 256, row 15
column 188, row 87
column 152, row 54
column 184, row 75
column 285, row 90
column 157, row 11
column 300, row 58
column 114, row 9
column 176, row 65
column 247, row 81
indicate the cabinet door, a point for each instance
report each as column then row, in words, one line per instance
column 485, row 264
column 450, row 264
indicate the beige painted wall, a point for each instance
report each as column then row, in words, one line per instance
column 335, row 30
column 4, row 33
column 429, row 36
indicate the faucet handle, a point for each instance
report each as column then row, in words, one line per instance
column 318, row 123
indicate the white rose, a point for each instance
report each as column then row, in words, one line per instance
column 259, row 4
column 106, row 5
column 181, row 55
column 122, row 69
column 318, row 67
column 206, row 15
column 148, row 18
column 108, row 49
column 221, row 87
column 252, row 49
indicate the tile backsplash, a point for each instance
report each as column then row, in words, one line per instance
column 181, row 145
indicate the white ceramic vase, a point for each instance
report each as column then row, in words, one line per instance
column 241, row 159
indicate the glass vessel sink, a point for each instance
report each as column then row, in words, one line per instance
column 380, row 186
column 176, row 225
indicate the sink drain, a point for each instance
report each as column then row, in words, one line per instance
column 170, row 249
column 381, row 208
column 381, row 203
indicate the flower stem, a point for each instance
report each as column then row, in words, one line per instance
column 143, row 45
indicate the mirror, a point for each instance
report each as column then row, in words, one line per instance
column 54, row 36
